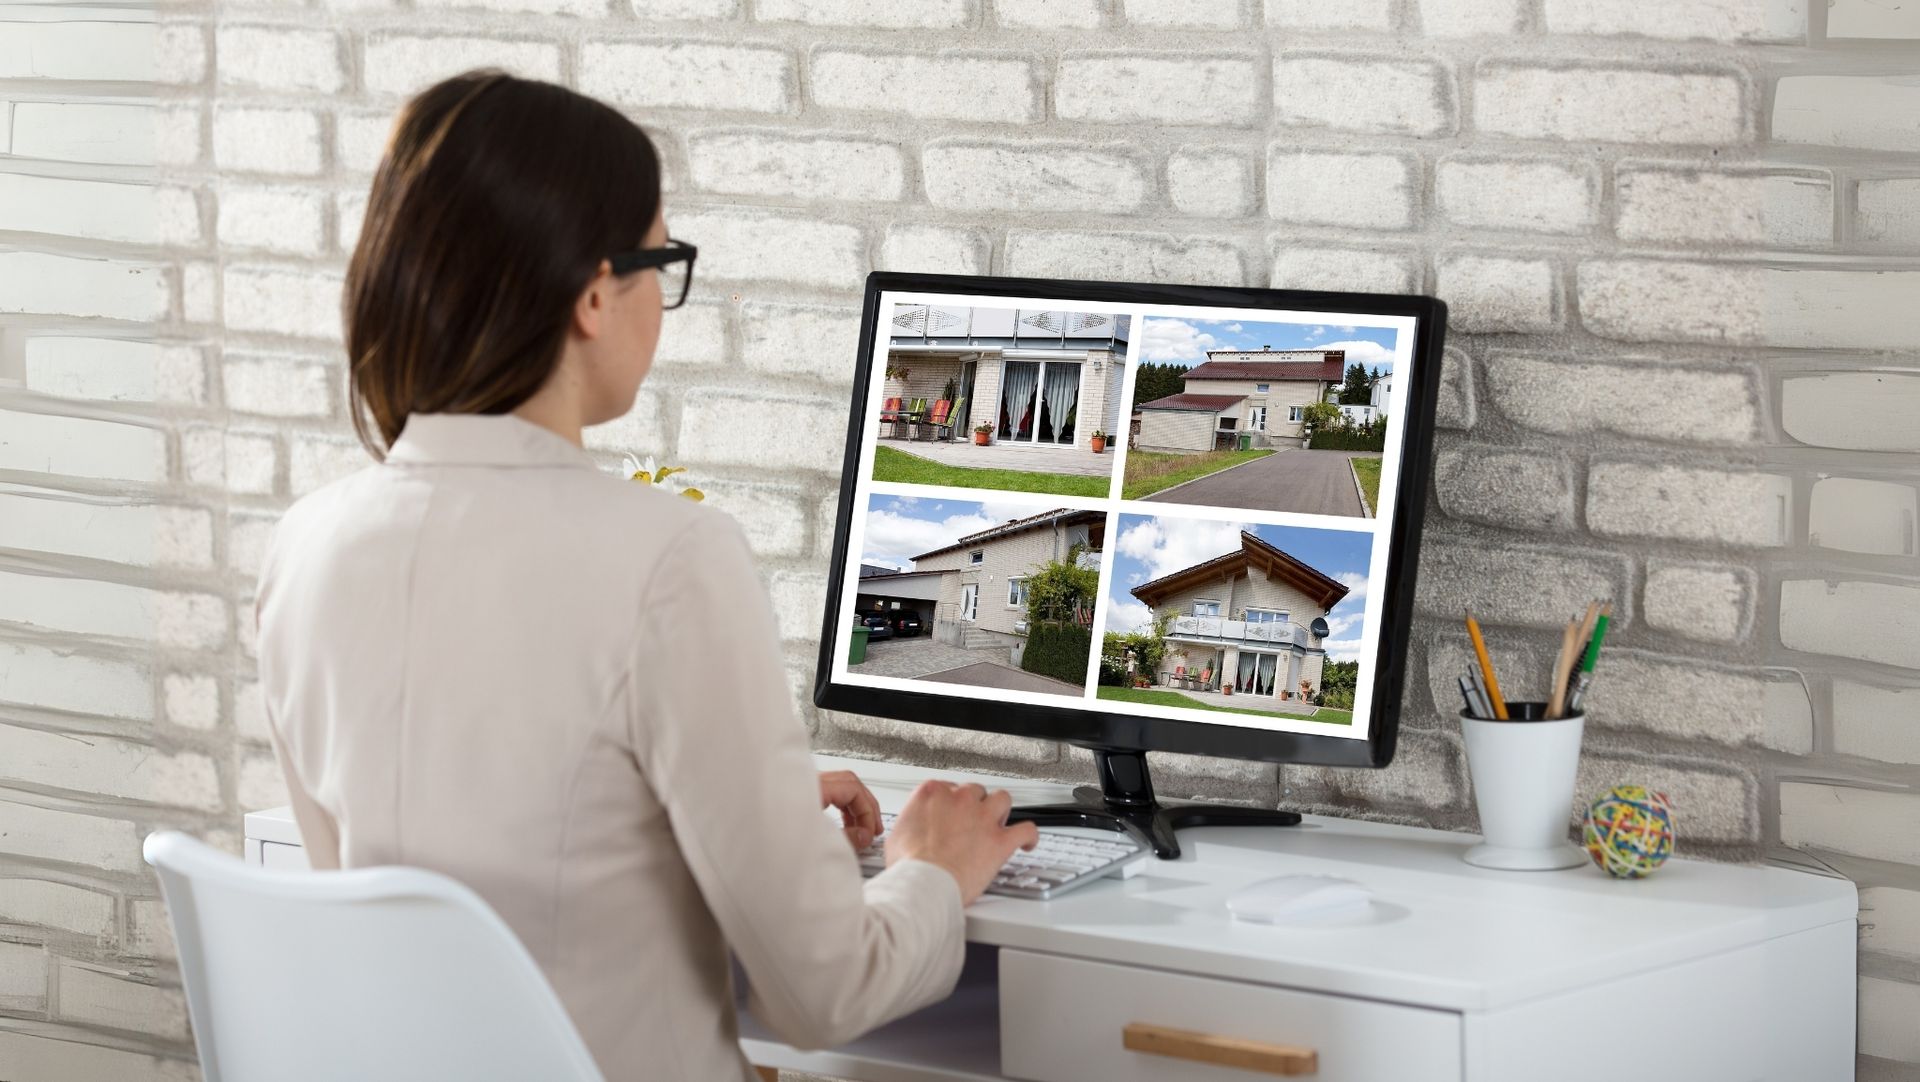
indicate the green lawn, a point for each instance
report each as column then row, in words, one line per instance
column 901, row 467
column 1149, row 472
column 1155, row 697
column 1368, row 470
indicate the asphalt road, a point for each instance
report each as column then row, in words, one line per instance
column 1307, row 482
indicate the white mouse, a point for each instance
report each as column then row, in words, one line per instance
column 1291, row 898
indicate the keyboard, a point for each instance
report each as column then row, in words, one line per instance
column 1060, row 863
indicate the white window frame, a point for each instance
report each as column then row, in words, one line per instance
column 1256, row 418
column 1259, row 388
column 1293, row 414
column 1199, row 601
column 976, row 557
column 1016, row 585
column 966, row 612
column 1281, row 613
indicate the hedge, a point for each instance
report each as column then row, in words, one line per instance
column 1058, row 650
column 1350, row 439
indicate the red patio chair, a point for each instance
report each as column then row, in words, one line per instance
column 940, row 419
column 890, row 414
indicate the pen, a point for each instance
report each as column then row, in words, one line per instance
column 1466, row 692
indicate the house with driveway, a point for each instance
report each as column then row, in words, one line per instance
column 981, row 600
column 1259, row 393
column 1253, row 620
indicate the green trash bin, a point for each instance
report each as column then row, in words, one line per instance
column 857, row 649
column 1246, row 441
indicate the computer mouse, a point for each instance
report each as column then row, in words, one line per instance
column 1290, row 898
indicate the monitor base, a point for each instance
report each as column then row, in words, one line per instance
column 1124, row 802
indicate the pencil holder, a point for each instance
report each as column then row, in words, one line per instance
column 1523, row 774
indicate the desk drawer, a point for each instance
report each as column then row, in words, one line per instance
column 1066, row 1020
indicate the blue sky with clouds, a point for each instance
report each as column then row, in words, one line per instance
column 1150, row 546
column 1186, row 341
column 902, row 527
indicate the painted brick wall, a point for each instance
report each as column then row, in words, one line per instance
column 1680, row 240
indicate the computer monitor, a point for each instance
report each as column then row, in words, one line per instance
column 1134, row 518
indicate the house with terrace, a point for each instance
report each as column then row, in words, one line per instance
column 1253, row 620
column 982, row 598
column 1262, row 394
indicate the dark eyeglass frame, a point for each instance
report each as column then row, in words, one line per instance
column 675, row 251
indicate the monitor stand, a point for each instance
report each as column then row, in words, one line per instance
column 1124, row 802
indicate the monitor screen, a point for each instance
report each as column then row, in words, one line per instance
column 1155, row 517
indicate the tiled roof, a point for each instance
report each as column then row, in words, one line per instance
column 1319, row 587
column 1064, row 516
column 1331, row 370
column 1197, row 403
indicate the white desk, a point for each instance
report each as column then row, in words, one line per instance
column 1702, row 972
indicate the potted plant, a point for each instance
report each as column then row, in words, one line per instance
column 983, row 434
column 1099, row 441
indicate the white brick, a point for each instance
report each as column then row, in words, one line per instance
column 800, row 340
column 1769, row 209
column 349, row 213
column 1431, row 775
column 1298, row 267
column 242, row 462
column 1624, row 105
column 276, row 386
column 47, row 443
column 639, row 433
column 1157, row 88
column 1210, row 184
column 250, row 711
column 1487, row 293
column 897, row 735
column 1712, row 506
column 1796, row 306
column 279, row 58
column 1331, row 14
column 97, row 996
column 286, row 220
column 199, row 291
column 101, row 132
column 179, row 53
column 105, row 528
column 1194, row 14
column 41, row 284
column 1136, row 257
column 532, row 7
column 1878, row 723
column 1890, row 922
column 933, row 249
column 1537, row 196
column 1454, row 406
column 1712, row 604
column 57, row 905
column 81, row 50
column 1347, row 92
column 1323, row 187
column 696, row 75
column 115, row 369
column 1525, row 587
column 1679, row 698
column 299, row 301
column 1711, row 803
column 1888, row 211
column 1859, row 515
column 177, row 132
column 149, row 932
column 685, row 9
column 102, row 765
column 23, row 978
column 883, row 14
column 770, row 163
column 812, row 437
column 1862, row 822
column 1887, row 1010
column 70, row 1061
column 1030, row 177
column 1872, row 19
column 1518, row 490
column 260, row 783
column 797, row 599
column 772, row 516
column 191, row 700
column 1866, row 411
column 1872, row 621
column 401, row 64
column 63, row 680
column 90, row 841
column 261, row 140
column 1787, row 711
column 316, row 462
column 1718, row 21
column 1048, row 14
column 248, row 535
column 1649, row 401
column 751, row 245
column 1866, row 112
column 944, row 87
column 359, row 139
column 1467, row 18
column 693, row 334
column 98, row 210
column 90, row 607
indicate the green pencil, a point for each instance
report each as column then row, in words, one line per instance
column 1593, row 648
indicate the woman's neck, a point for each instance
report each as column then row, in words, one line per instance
column 556, row 408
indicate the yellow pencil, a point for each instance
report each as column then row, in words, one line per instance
column 1486, row 669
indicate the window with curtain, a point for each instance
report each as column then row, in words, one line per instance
column 1017, row 388
column 1062, row 395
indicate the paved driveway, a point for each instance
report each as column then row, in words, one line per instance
column 923, row 658
column 1309, row 482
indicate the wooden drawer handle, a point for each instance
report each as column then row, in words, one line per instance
column 1283, row 1059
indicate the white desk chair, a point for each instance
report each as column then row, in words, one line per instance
column 371, row 974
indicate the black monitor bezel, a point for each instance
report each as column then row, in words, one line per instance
column 1088, row 726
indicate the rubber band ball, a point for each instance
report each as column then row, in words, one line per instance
column 1629, row 831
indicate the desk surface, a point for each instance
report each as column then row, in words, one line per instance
column 1443, row 933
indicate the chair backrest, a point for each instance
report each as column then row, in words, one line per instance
column 940, row 411
column 371, row 974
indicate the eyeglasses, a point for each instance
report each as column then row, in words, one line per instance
column 674, row 262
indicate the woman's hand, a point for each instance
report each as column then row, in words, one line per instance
column 859, row 811
column 962, row 828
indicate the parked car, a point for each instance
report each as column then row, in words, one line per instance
column 877, row 628
column 906, row 623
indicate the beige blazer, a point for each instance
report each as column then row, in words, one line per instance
column 489, row 658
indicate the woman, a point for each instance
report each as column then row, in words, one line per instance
column 489, row 658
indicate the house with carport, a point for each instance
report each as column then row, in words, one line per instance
column 1262, row 394
column 981, row 600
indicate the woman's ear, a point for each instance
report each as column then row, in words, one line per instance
column 590, row 308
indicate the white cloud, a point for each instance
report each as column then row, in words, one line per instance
column 1343, row 649
column 1363, row 351
column 1234, row 328
column 1166, row 545
column 1348, row 330
column 893, row 537
column 1128, row 616
column 1174, row 340
column 1316, row 333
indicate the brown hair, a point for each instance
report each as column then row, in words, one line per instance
column 494, row 204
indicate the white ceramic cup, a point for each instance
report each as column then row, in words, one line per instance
column 1523, row 776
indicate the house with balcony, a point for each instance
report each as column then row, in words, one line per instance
column 1253, row 620
column 982, row 598
column 1260, row 393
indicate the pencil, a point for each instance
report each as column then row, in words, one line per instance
column 1486, row 668
column 1563, row 668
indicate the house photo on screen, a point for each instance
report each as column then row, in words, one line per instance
column 989, row 594
column 1234, row 616
column 1262, row 415
column 1020, row 399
